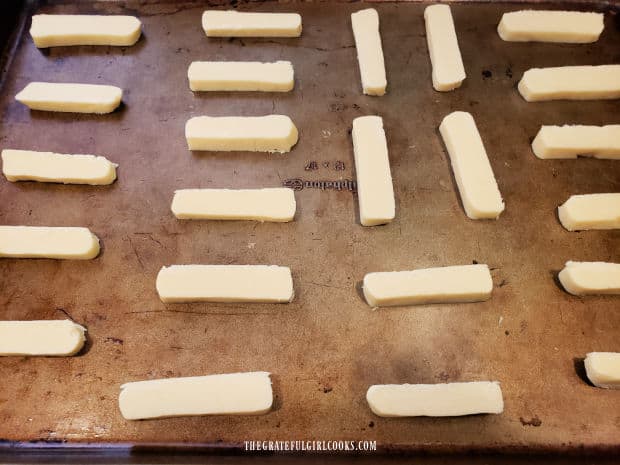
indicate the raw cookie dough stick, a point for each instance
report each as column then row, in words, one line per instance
column 369, row 51
column 435, row 400
column 443, row 48
column 58, row 338
column 73, row 98
column 273, row 204
column 571, row 83
column 571, row 141
column 588, row 278
column 241, row 75
column 26, row 165
column 470, row 164
column 372, row 165
column 48, row 242
column 603, row 369
column 590, row 211
column 227, row 394
column 572, row 27
column 225, row 283
column 468, row 283
column 58, row 30
column 236, row 24
column 272, row 133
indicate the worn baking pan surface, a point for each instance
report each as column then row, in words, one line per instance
column 328, row 346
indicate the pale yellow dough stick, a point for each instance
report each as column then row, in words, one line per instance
column 72, row 98
column 590, row 278
column 571, row 83
column 63, row 30
column 271, row 204
column 465, row 283
column 272, row 133
column 227, row 394
column 27, row 165
column 58, row 338
column 241, row 76
column 571, row 141
column 603, row 369
column 225, row 283
column 365, row 25
column 435, row 400
column 590, row 211
column 443, row 47
column 472, row 170
column 48, row 242
column 372, row 165
column 573, row 27
column 230, row 23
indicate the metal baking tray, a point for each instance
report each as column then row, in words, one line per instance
column 328, row 346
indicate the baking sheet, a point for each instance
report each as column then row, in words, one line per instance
column 328, row 346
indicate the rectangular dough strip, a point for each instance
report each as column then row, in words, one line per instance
column 571, row 141
column 466, row 283
column 225, row 283
column 272, row 133
column 365, row 25
column 372, row 166
column 590, row 211
column 241, row 76
column 443, row 48
column 27, row 165
column 57, row 338
column 72, row 98
column 571, row 83
column 227, row 394
column 232, row 23
column 271, row 204
column 572, row 27
column 48, row 242
column 64, row 30
column 435, row 400
column 472, row 170
column 590, row 278
column 603, row 369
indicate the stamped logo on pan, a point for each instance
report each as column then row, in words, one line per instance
column 341, row 184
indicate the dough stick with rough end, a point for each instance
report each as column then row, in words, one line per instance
column 273, row 133
column 473, row 173
column 435, row 400
column 48, row 242
column 225, row 283
column 62, row 30
column 232, row 23
column 227, row 394
column 590, row 211
column 571, row 141
column 590, row 278
column 369, row 51
column 443, row 48
column 603, row 369
column 58, row 338
column 272, row 204
column 241, row 76
column 372, row 165
column 27, row 165
column 571, row 83
column 467, row 283
column 70, row 98
column 572, row 27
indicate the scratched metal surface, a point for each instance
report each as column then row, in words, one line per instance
column 328, row 346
